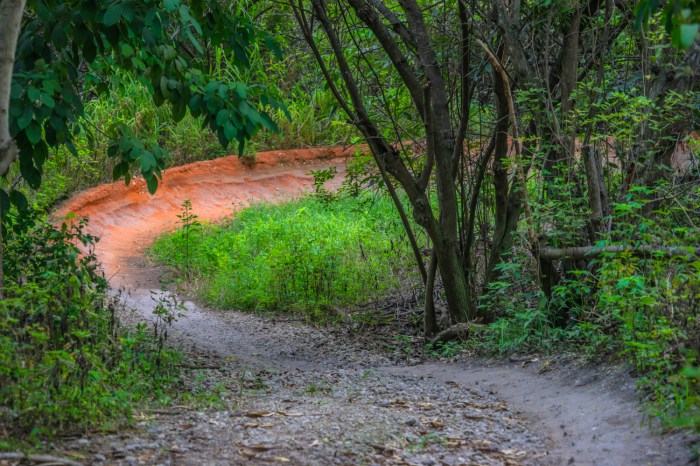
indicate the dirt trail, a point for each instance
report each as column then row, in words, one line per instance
column 365, row 407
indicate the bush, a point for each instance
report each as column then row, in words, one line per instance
column 65, row 365
column 642, row 307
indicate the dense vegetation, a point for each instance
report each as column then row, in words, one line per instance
column 305, row 256
column 548, row 150
column 66, row 364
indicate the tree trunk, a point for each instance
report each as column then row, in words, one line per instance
column 459, row 302
column 595, row 191
column 501, row 240
column 429, row 318
column 422, row 77
column 11, row 13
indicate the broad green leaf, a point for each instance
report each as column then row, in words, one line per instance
column 127, row 50
column 222, row 116
column 151, row 183
column 688, row 33
column 113, row 14
column 33, row 93
column 26, row 118
column 170, row 5
column 33, row 132
column 268, row 123
column 19, row 200
column 179, row 110
column 148, row 162
column 230, row 131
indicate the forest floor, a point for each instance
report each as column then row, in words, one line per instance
column 291, row 393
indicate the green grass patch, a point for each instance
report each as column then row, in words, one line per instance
column 305, row 256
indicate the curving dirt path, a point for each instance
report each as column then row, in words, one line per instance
column 315, row 396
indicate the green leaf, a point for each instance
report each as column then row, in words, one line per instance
column 688, row 33
column 170, row 5
column 241, row 90
column 33, row 132
column 127, row 50
column 164, row 86
column 58, row 36
column 118, row 171
column 194, row 42
column 19, row 200
column 48, row 100
column 148, row 162
column 222, row 116
column 125, row 143
column 113, row 14
column 223, row 140
column 179, row 110
column 230, row 131
column 33, row 93
column 26, row 118
column 268, row 123
column 152, row 183
column 30, row 173
column 271, row 44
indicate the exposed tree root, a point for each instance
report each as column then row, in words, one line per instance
column 457, row 332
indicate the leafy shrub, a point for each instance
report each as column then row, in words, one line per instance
column 654, row 301
column 644, row 307
column 65, row 364
column 308, row 255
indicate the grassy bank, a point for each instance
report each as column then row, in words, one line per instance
column 306, row 256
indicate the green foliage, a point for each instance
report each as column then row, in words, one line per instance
column 321, row 176
column 525, row 321
column 306, row 256
column 65, row 364
column 160, row 43
column 643, row 307
column 654, row 301
column 447, row 349
column 681, row 19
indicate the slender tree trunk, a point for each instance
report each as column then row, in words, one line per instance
column 595, row 191
column 422, row 77
column 429, row 319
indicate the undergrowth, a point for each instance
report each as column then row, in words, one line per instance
column 310, row 256
column 642, row 308
column 65, row 363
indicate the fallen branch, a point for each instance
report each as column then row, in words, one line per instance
column 584, row 252
column 42, row 459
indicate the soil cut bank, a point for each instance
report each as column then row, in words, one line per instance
column 344, row 402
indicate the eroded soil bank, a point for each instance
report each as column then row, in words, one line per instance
column 305, row 395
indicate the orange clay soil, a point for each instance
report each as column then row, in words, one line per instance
column 127, row 218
